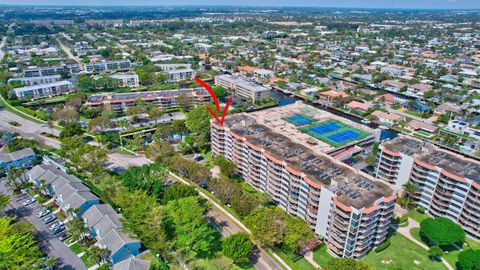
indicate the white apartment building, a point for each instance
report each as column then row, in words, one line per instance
column 43, row 90
column 128, row 80
column 242, row 87
column 448, row 184
column 176, row 75
column 348, row 208
column 27, row 81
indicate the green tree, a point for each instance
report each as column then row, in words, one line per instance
column 237, row 247
column 71, row 129
column 346, row 264
column 177, row 191
column 159, row 151
column 220, row 92
column 297, row 233
column 410, row 189
column 226, row 167
column 468, row 259
column 77, row 229
column 4, row 200
column 194, row 233
column 267, row 225
column 434, row 253
column 198, row 120
column 18, row 250
column 441, row 231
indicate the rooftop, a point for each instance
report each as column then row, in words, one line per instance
column 276, row 119
column 353, row 188
column 432, row 155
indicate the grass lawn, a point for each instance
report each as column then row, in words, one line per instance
column 321, row 256
column 415, row 215
column 88, row 261
column 402, row 254
column 452, row 256
column 289, row 258
column 76, row 248
column 219, row 262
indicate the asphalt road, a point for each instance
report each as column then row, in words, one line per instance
column 259, row 258
column 49, row 243
column 28, row 129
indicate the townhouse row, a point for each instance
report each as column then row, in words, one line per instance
column 75, row 199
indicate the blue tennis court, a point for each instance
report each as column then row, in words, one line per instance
column 300, row 119
column 344, row 136
column 324, row 128
column 334, row 132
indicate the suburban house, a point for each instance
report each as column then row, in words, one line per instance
column 422, row 128
column 106, row 228
column 446, row 108
column 388, row 119
column 418, row 90
column 358, row 106
column 17, row 159
column 394, row 86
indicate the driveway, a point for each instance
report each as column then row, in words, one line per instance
column 49, row 243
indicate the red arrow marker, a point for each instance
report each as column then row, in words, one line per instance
column 215, row 100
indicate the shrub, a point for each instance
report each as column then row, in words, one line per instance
column 383, row 246
column 421, row 210
column 468, row 259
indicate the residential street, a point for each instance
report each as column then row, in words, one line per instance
column 49, row 243
column 68, row 52
column 260, row 259
column 28, row 129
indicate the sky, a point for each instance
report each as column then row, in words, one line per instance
column 413, row 4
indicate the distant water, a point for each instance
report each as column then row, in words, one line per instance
column 283, row 99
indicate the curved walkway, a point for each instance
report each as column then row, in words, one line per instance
column 405, row 231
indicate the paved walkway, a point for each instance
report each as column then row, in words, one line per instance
column 405, row 231
column 309, row 257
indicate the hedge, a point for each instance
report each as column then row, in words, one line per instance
column 383, row 246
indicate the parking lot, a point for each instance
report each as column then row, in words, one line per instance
column 48, row 242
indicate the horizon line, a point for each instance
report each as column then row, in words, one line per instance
column 243, row 6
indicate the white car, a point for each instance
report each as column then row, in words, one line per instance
column 43, row 213
column 28, row 202
column 56, row 225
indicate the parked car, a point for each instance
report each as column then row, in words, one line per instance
column 49, row 219
column 28, row 202
column 56, row 225
column 58, row 229
column 43, row 213
column 63, row 237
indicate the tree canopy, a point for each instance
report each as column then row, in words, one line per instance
column 237, row 247
column 441, row 231
column 468, row 259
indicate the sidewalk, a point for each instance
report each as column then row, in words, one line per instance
column 405, row 231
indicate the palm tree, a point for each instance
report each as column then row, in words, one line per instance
column 98, row 254
column 410, row 189
column 77, row 229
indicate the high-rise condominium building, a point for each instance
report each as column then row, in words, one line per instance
column 348, row 208
column 448, row 184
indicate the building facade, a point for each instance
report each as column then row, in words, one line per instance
column 27, row 81
column 50, row 71
column 350, row 210
column 17, row 159
column 242, row 87
column 164, row 99
column 176, row 75
column 43, row 90
column 127, row 80
column 448, row 184
column 110, row 65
